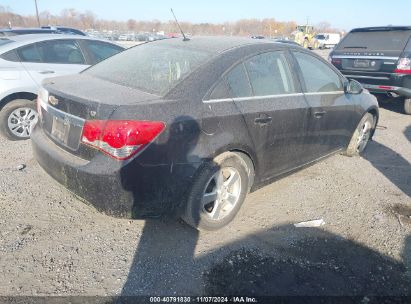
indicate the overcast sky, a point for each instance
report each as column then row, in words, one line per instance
column 345, row 14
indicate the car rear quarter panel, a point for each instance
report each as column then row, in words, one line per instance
column 195, row 133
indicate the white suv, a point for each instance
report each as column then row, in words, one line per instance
column 25, row 60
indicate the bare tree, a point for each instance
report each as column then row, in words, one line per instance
column 87, row 20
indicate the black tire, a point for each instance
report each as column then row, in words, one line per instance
column 5, row 113
column 354, row 148
column 194, row 214
column 407, row 106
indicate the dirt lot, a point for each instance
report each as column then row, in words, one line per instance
column 53, row 244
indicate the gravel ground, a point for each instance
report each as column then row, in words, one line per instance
column 53, row 244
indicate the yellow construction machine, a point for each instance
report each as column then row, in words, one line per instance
column 304, row 36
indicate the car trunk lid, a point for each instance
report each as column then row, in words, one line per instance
column 74, row 99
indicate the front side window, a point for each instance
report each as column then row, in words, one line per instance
column 317, row 76
column 269, row 74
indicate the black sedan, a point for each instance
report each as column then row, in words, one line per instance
column 190, row 127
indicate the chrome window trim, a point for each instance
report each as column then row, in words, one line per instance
column 252, row 97
column 272, row 96
column 324, row 93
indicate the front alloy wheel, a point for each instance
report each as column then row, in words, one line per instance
column 364, row 136
column 361, row 135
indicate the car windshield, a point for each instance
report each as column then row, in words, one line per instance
column 320, row 37
column 150, row 67
column 376, row 40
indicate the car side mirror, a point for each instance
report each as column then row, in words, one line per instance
column 353, row 87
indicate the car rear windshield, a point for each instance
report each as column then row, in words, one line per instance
column 376, row 40
column 151, row 67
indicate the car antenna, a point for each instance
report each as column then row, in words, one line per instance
column 182, row 33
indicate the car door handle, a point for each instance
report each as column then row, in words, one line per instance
column 46, row 72
column 319, row 114
column 263, row 120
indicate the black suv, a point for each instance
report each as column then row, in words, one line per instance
column 379, row 58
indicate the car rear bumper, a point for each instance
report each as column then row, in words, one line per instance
column 383, row 89
column 399, row 84
column 121, row 189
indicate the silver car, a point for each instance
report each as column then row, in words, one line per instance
column 26, row 60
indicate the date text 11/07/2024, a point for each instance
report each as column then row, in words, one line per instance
column 205, row 299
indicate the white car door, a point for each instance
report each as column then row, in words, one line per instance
column 52, row 58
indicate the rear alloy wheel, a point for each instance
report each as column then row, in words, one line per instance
column 218, row 192
column 361, row 135
column 407, row 106
column 222, row 193
column 17, row 118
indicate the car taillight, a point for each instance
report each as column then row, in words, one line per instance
column 120, row 139
column 403, row 66
column 336, row 61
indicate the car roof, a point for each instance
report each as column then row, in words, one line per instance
column 381, row 28
column 21, row 40
column 218, row 44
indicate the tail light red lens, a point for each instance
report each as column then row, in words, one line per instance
column 120, row 139
column 336, row 61
column 403, row 66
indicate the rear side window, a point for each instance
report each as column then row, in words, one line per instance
column 100, row 50
column 375, row 40
column 237, row 82
column 220, row 91
column 10, row 56
column 317, row 76
column 269, row 74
